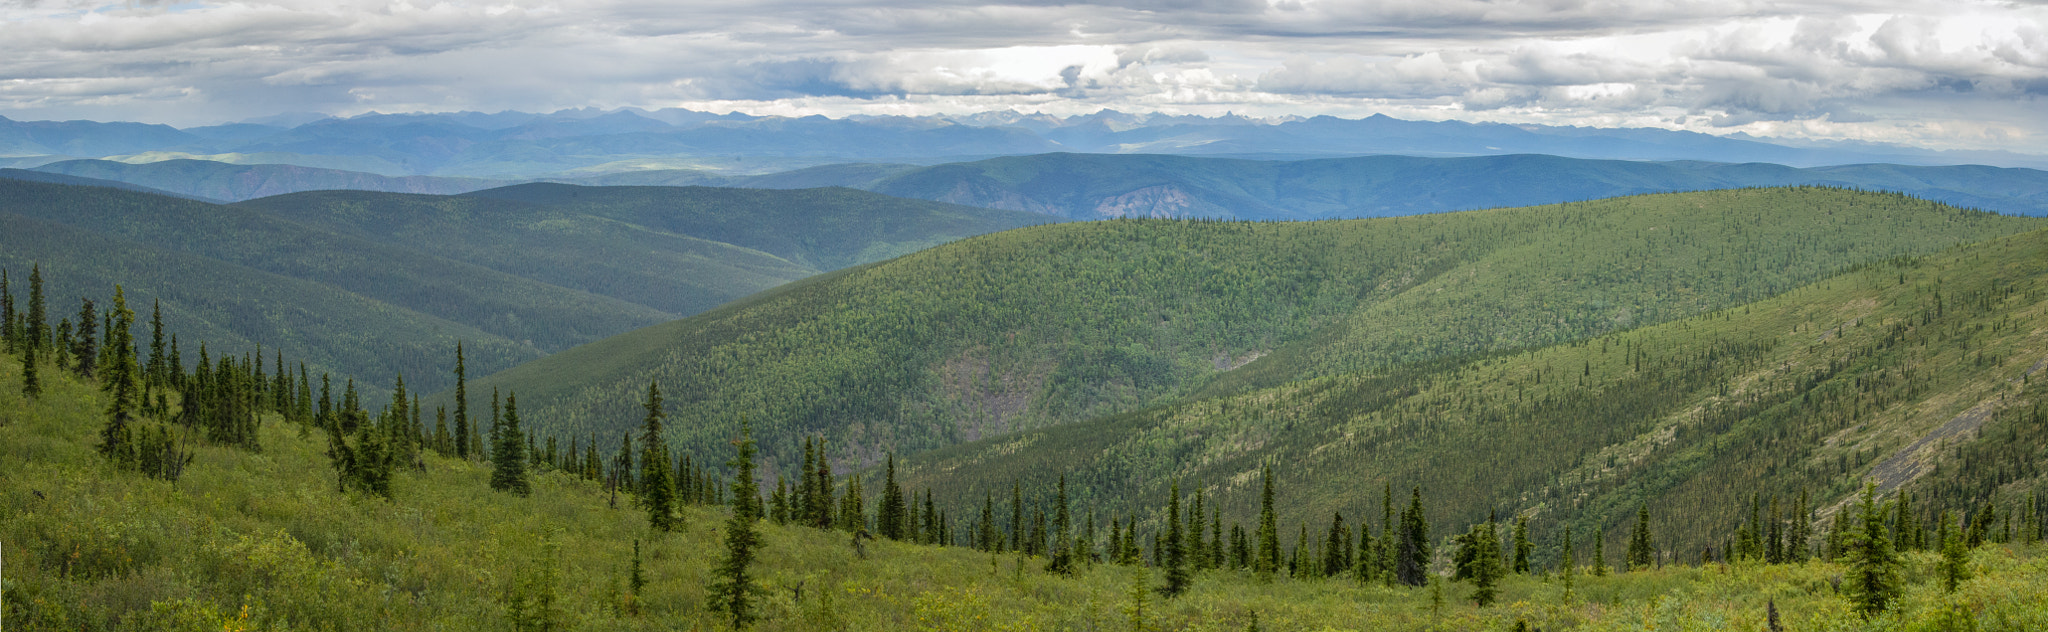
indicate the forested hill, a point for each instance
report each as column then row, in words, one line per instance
column 373, row 285
column 1056, row 324
column 1923, row 374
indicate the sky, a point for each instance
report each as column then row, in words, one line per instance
column 1936, row 74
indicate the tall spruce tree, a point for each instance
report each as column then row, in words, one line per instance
column 508, row 453
column 1599, row 552
column 10, row 331
column 891, row 516
column 36, row 329
column 1522, row 545
column 1873, row 581
column 1955, row 557
column 1642, row 551
column 462, row 428
column 31, row 384
column 1266, row 560
column 1416, row 548
column 157, row 375
column 1062, row 559
column 657, row 492
column 1177, row 577
column 85, row 348
column 733, row 590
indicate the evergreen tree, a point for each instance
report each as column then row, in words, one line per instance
column 1177, row 578
column 733, row 591
column 1955, row 557
column 85, row 349
column 1874, row 567
column 508, row 453
column 1522, row 545
column 657, row 493
column 1642, row 552
column 462, row 430
column 159, row 371
column 31, row 385
column 986, row 540
column 1062, row 561
column 1415, row 544
column 1567, row 561
column 1016, row 516
column 636, row 583
column 1266, row 560
column 1599, row 552
column 36, row 328
column 10, row 332
column 853, row 507
column 1336, row 547
column 890, row 517
column 1480, row 558
column 1800, row 531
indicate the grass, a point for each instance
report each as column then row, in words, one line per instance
column 263, row 541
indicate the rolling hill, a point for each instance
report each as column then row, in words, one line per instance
column 234, row 183
column 1058, row 324
column 1923, row 374
column 320, row 271
column 1098, row 186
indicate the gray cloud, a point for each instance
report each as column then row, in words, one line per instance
column 1942, row 74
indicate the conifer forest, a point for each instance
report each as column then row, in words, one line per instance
column 1801, row 408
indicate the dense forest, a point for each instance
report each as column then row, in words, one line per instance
column 137, row 495
column 1858, row 452
column 1057, row 324
column 374, row 284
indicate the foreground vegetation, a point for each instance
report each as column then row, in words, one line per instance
column 263, row 540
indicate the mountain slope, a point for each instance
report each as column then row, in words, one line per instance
column 826, row 228
column 1095, row 186
column 1056, row 324
column 1923, row 374
column 249, row 540
column 671, row 272
column 501, row 273
column 234, row 183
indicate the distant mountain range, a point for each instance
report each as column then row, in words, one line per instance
column 372, row 284
column 578, row 143
column 1098, row 186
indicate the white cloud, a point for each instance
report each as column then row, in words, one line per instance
column 1942, row 74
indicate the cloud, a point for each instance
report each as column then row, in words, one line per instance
column 1967, row 73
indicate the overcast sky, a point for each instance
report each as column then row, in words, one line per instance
column 1930, row 73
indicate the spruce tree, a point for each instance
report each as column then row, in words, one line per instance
column 1484, row 568
column 462, row 430
column 85, row 349
column 1522, row 545
column 1266, row 560
column 1567, row 562
column 1016, row 515
column 31, row 385
column 1642, row 552
column 1874, row 580
column 1177, row 577
column 10, row 334
column 37, row 327
column 1336, row 547
column 1955, row 557
column 733, row 590
column 657, row 493
column 1599, row 552
column 508, row 453
column 1416, row 548
column 1062, row 561
column 986, row 539
column 890, row 517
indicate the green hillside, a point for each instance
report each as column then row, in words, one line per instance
column 417, row 273
column 826, row 229
column 261, row 540
column 671, row 272
column 236, row 182
column 234, row 309
column 1056, row 324
column 1922, row 373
